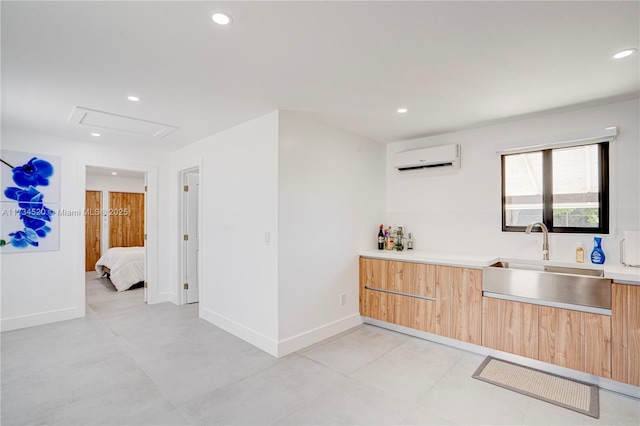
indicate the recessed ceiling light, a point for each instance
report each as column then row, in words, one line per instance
column 95, row 134
column 114, row 173
column 133, row 98
column 402, row 110
column 624, row 53
column 221, row 18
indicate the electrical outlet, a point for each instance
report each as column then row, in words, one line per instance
column 343, row 299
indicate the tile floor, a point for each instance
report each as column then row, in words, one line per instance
column 128, row 363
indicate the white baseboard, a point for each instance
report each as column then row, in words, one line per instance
column 282, row 347
column 41, row 318
column 164, row 297
column 302, row 340
column 247, row 334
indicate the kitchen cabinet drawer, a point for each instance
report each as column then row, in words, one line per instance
column 397, row 309
column 402, row 277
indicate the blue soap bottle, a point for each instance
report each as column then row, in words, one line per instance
column 597, row 255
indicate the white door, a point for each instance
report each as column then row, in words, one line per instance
column 192, row 237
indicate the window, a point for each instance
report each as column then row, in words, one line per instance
column 567, row 189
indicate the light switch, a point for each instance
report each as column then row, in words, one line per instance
column 267, row 238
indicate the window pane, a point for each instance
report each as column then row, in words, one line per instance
column 575, row 187
column 523, row 188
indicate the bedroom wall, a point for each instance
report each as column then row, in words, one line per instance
column 460, row 211
column 39, row 288
column 331, row 200
column 239, row 199
column 108, row 184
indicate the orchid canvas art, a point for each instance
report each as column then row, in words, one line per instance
column 30, row 201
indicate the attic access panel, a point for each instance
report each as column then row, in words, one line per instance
column 106, row 120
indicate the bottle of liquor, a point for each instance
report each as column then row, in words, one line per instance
column 390, row 241
column 380, row 239
column 410, row 242
column 399, row 239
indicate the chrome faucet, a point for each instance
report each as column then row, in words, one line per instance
column 545, row 241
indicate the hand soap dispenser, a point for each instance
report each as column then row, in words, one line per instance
column 579, row 254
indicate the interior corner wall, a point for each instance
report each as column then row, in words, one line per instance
column 459, row 211
column 44, row 287
column 239, row 206
column 331, row 202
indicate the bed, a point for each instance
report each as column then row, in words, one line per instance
column 123, row 265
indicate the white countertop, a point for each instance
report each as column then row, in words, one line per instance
column 617, row 272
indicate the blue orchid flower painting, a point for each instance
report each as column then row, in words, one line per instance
column 34, row 216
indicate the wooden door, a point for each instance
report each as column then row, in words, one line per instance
column 126, row 219
column 92, row 229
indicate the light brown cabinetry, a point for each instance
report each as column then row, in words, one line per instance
column 577, row 340
column 572, row 339
column 510, row 327
column 378, row 277
column 625, row 317
column 459, row 303
column 436, row 299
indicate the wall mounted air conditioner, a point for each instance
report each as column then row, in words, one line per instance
column 436, row 158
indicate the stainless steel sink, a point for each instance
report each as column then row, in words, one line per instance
column 578, row 286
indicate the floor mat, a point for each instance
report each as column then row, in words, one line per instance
column 573, row 395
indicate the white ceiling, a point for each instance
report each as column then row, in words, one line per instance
column 454, row 65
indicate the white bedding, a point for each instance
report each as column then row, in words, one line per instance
column 126, row 265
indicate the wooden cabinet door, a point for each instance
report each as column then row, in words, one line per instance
column 561, row 337
column 510, row 327
column 625, row 333
column 444, row 277
column 126, row 219
column 459, row 303
column 420, row 279
column 577, row 340
column 466, row 307
column 93, row 202
column 597, row 344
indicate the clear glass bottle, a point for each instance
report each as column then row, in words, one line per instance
column 580, row 253
column 399, row 239
column 410, row 242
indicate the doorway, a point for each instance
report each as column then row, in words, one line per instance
column 189, row 229
column 115, row 229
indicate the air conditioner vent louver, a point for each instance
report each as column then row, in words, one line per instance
column 439, row 157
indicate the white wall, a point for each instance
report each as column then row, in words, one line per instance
column 460, row 212
column 107, row 184
column 39, row 288
column 331, row 202
column 115, row 184
column 239, row 199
